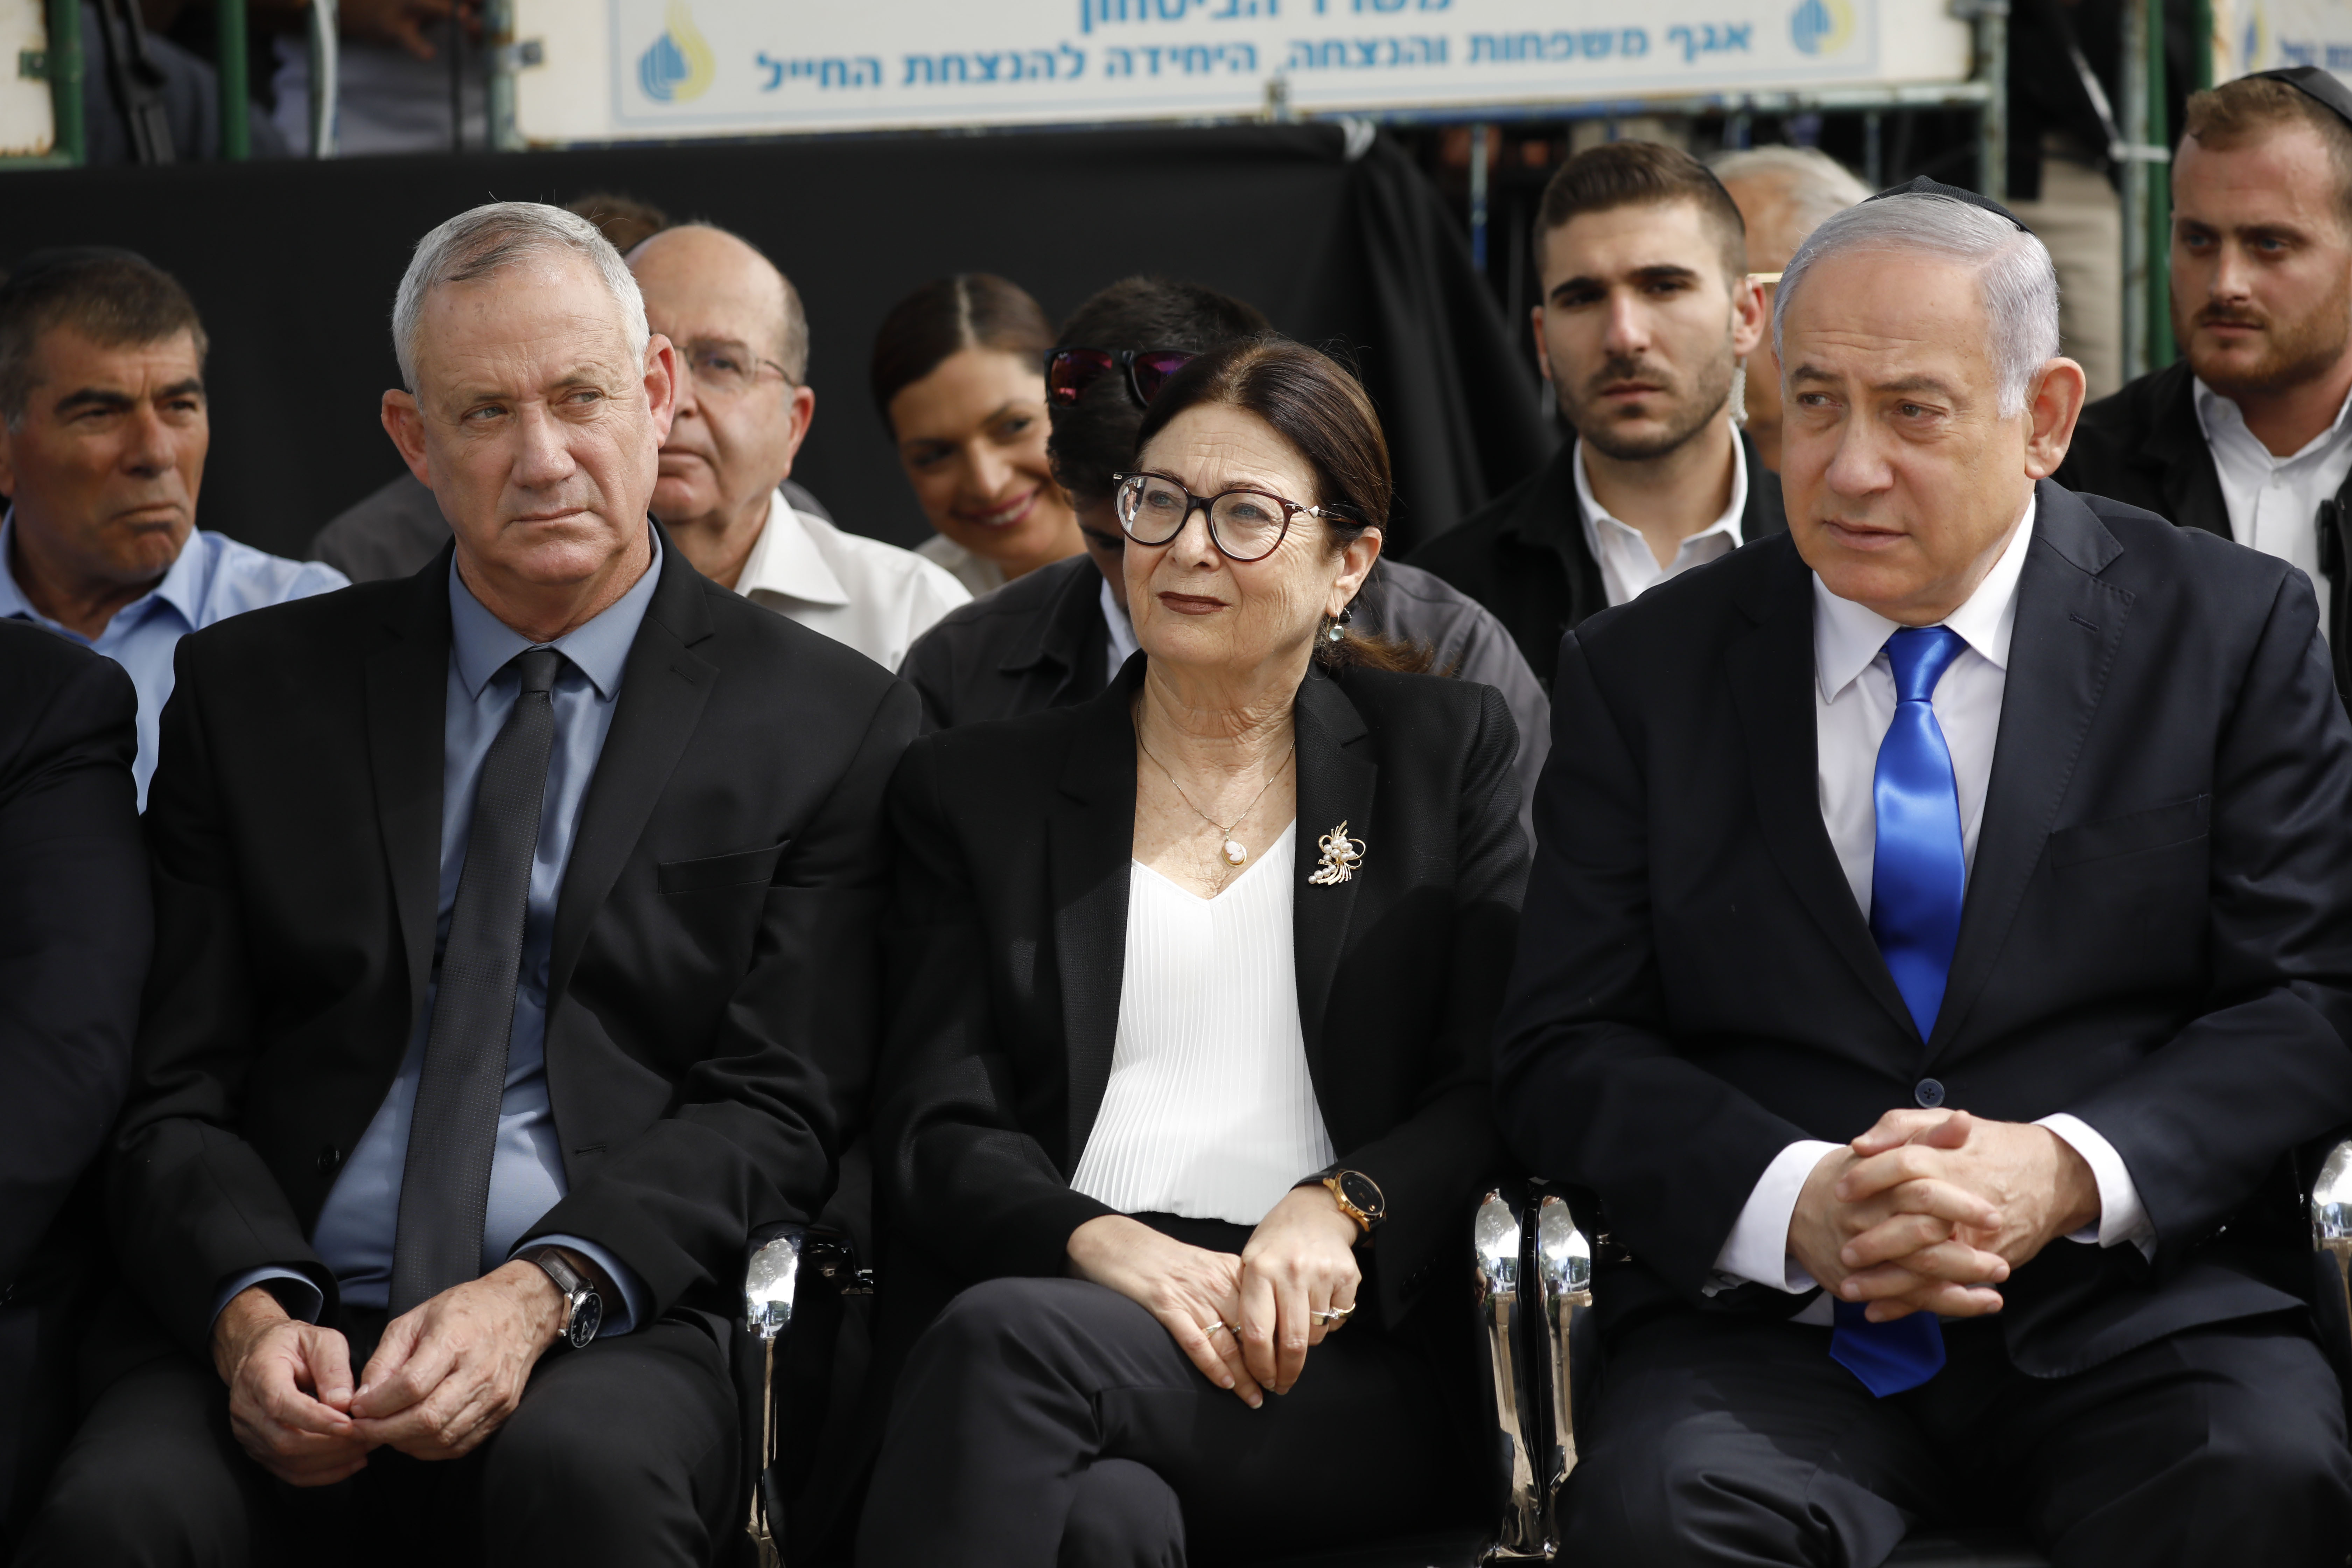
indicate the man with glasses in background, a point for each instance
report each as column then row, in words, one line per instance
column 743, row 409
column 1648, row 314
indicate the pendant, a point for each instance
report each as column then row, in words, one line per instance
column 1235, row 853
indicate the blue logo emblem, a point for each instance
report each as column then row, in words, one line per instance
column 1821, row 26
column 679, row 66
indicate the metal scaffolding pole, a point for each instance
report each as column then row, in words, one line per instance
column 65, row 81
column 1991, row 21
column 2137, row 17
column 236, row 127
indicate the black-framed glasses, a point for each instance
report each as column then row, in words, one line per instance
column 1069, row 372
column 725, row 369
column 1244, row 525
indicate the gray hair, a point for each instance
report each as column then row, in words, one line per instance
column 490, row 238
column 1812, row 185
column 2017, row 283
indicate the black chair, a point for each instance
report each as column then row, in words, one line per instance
column 1535, row 1293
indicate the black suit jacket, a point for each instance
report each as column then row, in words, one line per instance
column 711, row 998
column 2157, row 937
column 75, row 925
column 2143, row 445
column 1008, row 934
column 1523, row 554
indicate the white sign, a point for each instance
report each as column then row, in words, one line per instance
column 2251, row 36
column 27, row 125
column 659, row 68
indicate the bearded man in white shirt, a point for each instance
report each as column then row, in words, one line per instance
column 744, row 408
column 1939, row 945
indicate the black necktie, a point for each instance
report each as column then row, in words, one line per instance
column 445, row 1186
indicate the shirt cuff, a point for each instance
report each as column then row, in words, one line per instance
column 1756, row 1251
column 301, row 1298
column 2121, row 1217
column 631, row 1305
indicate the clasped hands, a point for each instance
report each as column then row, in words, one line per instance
column 1930, row 1211
column 445, row 1375
column 1300, row 1262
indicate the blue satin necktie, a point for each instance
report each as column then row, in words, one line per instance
column 1918, row 878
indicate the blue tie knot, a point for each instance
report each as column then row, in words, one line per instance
column 1920, row 654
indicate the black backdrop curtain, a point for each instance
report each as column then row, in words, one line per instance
column 293, row 266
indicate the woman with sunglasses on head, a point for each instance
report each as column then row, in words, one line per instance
column 957, row 374
column 1187, row 1074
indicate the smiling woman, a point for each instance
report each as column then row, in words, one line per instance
column 959, row 378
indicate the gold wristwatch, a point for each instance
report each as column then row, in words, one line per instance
column 1359, row 1197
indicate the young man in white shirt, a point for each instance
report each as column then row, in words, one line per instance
column 743, row 410
column 2246, row 435
column 1647, row 319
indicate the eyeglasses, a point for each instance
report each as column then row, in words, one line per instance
column 1245, row 525
column 725, row 369
column 1069, row 372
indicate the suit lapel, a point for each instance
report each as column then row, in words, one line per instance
column 1091, row 851
column 1337, row 783
column 2069, row 625
column 1770, row 672
column 663, row 686
column 2176, row 446
column 407, row 686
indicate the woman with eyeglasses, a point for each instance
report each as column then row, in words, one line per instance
column 1184, row 1109
column 958, row 375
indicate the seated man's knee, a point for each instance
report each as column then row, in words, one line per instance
column 1122, row 1515
column 138, row 1486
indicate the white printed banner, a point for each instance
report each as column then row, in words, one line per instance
column 657, row 68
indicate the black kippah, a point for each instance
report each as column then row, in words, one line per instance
column 2316, row 84
column 58, row 258
column 1923, row 186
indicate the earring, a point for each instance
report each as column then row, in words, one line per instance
column 1331, row 632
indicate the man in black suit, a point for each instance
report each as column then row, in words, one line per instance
column 1647, row 316
column 74, row 926
column 2247, row 436
column 513, row 962
column 1937, row 947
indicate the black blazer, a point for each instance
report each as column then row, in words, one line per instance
column 2158, row 933
column 2143, row 445
column 711, row 999
column 1008, row 935
column 1523, row 554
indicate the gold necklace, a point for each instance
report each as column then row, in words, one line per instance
column 1234, row 852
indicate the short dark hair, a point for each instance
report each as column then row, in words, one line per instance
column 971, row 309
column 1095, row 437
column 1322, row 412
column 625, row 221
column 2251, row 107
column 117, row 298
column 1640, row 174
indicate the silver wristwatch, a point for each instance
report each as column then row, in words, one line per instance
column 583, row 1310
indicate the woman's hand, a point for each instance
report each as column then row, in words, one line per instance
column 1195, row 1294
column 1300, row 1261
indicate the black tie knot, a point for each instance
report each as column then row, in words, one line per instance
column 538, row 666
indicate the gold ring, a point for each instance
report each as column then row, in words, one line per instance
column 1334, row 1317
column 1220, row 1323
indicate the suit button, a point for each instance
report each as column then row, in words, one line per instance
column 330, row 1159
column 1930, row 1093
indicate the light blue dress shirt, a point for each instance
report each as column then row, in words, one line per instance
column 215, row 578
column 361, row 1217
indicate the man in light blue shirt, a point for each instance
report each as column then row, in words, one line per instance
column 103, row 432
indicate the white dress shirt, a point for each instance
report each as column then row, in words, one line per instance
column 1210, row 1111
column 1853, row 705
column 873, row 596
column 977, row 573
column 2274, row 501
column 1627, row 566
column 1122, row 633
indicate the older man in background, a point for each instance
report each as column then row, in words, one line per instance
column 1783, row 194
column 514, row 930
column 743, row 409
column 103, row 430
column 1647, row 313
column 2249, row 434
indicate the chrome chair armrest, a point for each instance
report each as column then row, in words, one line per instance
column 2331, row 1239
column 1499, row 1248
column 783, row 1266
column 1564, row 1289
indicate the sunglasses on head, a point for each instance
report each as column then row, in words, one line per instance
column 1069, row 372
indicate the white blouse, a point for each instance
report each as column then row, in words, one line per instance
column 1210, row 1111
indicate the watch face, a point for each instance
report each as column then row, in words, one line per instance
column 1361, row 1192
column 587, row 1317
